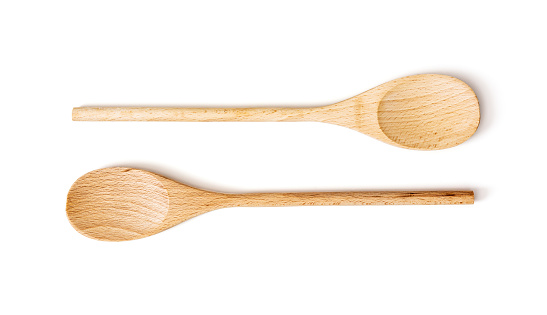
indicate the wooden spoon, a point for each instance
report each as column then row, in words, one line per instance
column 425, row 112
column 120, row 204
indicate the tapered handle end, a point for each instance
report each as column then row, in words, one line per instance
column 76, row 114
column 101, row 114
column 465, row 197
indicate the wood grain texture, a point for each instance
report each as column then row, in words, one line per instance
column 118, row 204
column 424, row 112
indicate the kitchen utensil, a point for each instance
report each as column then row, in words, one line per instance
column 119, row 204
column 425, row 112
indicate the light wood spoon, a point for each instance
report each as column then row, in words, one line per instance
column 425, row 112
column 120, row 204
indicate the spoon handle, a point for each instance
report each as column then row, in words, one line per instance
column 355, row 198
column 188, row 114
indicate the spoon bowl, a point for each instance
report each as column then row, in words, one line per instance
column 422, row 112
column 120, row 204
column 428, row 112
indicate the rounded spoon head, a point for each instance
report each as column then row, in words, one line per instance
column 429, row 112
column 117, row 204
column 422, row 112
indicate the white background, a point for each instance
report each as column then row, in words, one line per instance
column 488, row 258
